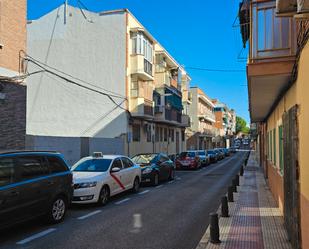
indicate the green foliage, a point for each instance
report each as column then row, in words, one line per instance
column 241, row 125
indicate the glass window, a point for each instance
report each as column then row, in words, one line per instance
column 136, row 130
column 7, row 171
column 127, row 163
column 92, row 165
column 56, row 165
column 161, row 134
column 117, row 163
column 182, row 136
column 157, row 135
column 187, row 154
column 32, row 167
column 145, row 158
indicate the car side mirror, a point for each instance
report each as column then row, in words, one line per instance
column 115, row 169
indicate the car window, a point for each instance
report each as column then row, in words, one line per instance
column 201, row 153
column 127, row 163
column 92, row 165
column 7, row 171
column 32, row 167
column 117, row 163
column 56, row 165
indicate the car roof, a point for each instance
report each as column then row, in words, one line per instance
column 111, row 157
column 29, row 152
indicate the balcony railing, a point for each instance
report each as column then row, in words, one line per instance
column 272, row 37
column 147, row 67
column 172, row 115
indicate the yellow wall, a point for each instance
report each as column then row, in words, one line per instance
column 303, row 118
column 298, row 94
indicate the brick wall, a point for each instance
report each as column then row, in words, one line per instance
column 12, row 32
column 12, row 116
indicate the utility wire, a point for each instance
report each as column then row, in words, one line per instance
column 217, row 70
column 112, row 94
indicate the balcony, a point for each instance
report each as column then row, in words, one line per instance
column 271, row 57
column 164, row 78
column 141, row 108
column 141, row 67
column 172, row 115
column 208, row 116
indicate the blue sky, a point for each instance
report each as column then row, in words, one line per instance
column 197, row 33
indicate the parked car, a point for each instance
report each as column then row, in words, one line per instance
column 173, row 157
column 204, row 157
column 98, row 177
column 220, row 153
column 33, row 184
column 226, row 152
column 156, row 167
column 233, row 149
column 213, row 156
column 188, row 160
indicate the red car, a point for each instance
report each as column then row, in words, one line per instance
column 188, row 160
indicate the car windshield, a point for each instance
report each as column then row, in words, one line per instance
column 187, row 154
column 145, row 158
column 92, row 165
column 201, row 153
column 211, row 152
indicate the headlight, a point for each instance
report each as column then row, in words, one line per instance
column 85, row 185
column 147, row 171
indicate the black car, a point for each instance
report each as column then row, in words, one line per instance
column 156, row 167
column 33, row 184
column 213, row 155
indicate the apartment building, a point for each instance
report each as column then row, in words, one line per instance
column 201, row 111
column 277, row 73
column 133, row 100
column 12, row 87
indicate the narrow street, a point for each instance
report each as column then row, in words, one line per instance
column 171, row 215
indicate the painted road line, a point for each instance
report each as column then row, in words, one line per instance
column 122, row 201
column 36, row 236
column 159, row 186
column 89, row 215
column 144, row 192
column 178, row 178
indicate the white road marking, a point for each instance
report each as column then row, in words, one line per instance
column 171, row 182
column 36, row 236
column 122, row 201
column 144, row 192
column 178, row 178
column 88, row 215
column 159, row 186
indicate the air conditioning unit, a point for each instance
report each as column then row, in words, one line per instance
column 302, row 6
column 286, row 7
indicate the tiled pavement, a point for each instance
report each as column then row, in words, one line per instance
column 255, row 222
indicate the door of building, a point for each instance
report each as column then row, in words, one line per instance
column 177, row 142
column 291, row 177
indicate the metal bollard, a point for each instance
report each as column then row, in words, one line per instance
column 224, row 207
column 214, row 228
column 241, row 170
column 237, row 180
column 230, row 195
column 234, row 186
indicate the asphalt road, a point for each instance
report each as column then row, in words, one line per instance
column 173, row 215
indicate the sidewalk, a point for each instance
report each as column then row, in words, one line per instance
column 255, row 222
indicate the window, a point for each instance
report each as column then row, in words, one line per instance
column 275, row 146
column 157, row 135
column 271, row 145
column 142, row 45
column 165, row 134
column 127, row 163
column 161, row 134
column 136, row 132
column 32, row 167
column 148, row 133
column 56, row 165
column 182, row 135
column 281, row 162
column 92, row 165
column 7, row 171
column 172, row 135
column 117, row 163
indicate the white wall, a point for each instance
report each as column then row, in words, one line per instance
column 94, row 52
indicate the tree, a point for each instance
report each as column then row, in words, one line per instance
column 241, row 125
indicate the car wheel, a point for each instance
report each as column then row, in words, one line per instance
column 171, row 175
column 136, row 185
column 57, row 210
column 104, row 196
column 156, row 179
